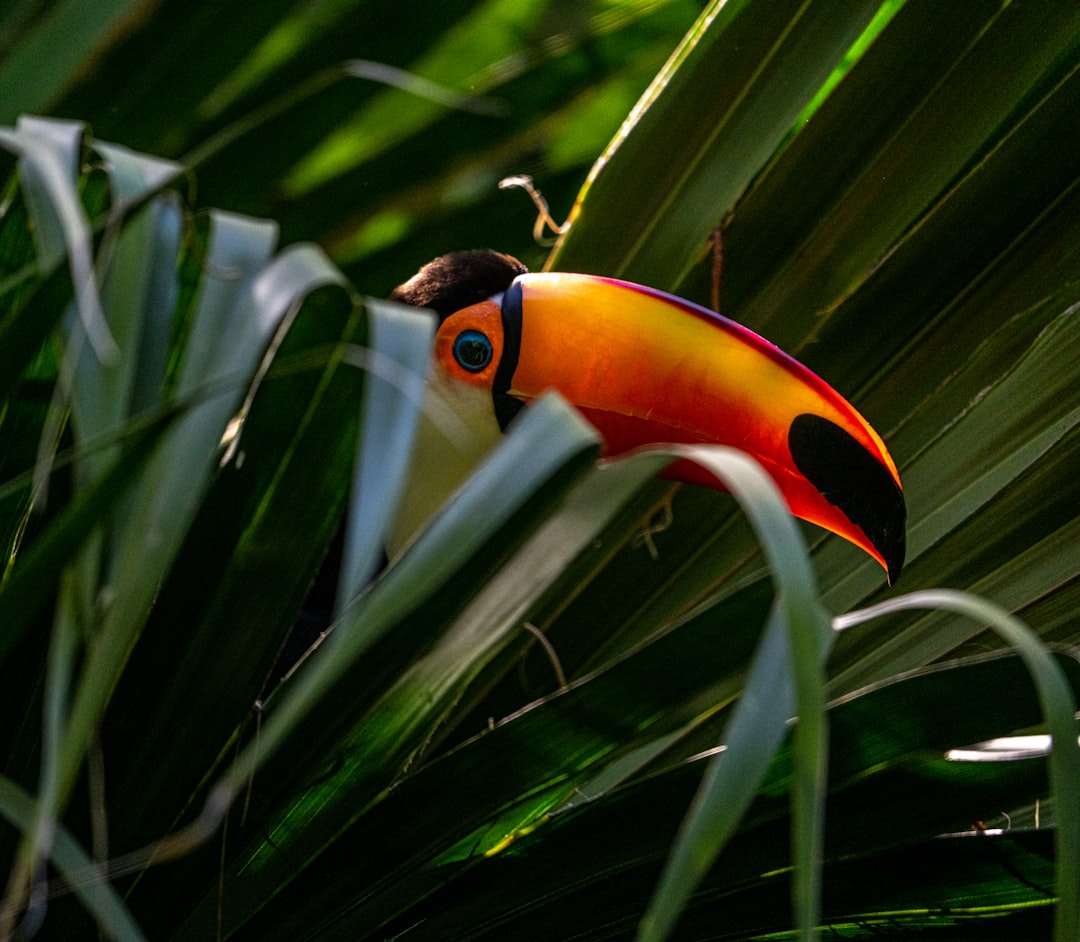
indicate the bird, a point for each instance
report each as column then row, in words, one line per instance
column 644, row 368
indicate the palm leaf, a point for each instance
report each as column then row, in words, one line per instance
column 895, row 188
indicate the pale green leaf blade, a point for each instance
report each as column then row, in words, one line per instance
column 76, row 866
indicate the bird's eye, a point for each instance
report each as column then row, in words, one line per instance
column 472, row 350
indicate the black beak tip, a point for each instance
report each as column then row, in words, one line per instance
column 893, row 549
column 854, row 481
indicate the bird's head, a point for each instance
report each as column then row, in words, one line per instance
column 647, row 368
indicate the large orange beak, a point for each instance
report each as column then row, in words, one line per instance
column 647, row 368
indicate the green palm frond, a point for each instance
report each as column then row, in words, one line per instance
column 514, row 730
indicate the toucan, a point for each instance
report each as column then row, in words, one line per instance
column 644, row 368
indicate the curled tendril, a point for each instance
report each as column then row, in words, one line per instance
column 543, row 217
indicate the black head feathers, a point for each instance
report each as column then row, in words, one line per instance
column 456, row 280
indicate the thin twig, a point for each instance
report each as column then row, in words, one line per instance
column 543, row 218
column 549, row 650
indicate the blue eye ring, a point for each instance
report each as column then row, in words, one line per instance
column 472, row 350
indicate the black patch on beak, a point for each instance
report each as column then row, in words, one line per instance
column 852, row 479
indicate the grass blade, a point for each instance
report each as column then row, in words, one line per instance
column 786, row 677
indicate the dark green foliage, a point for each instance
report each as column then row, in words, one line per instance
column 896, row 184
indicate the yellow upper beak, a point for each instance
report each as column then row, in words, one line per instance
column 647, row 368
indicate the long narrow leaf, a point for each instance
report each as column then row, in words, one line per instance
column 36, row 572
column 73, row 862
column 786, row 675
column 1059, row 709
